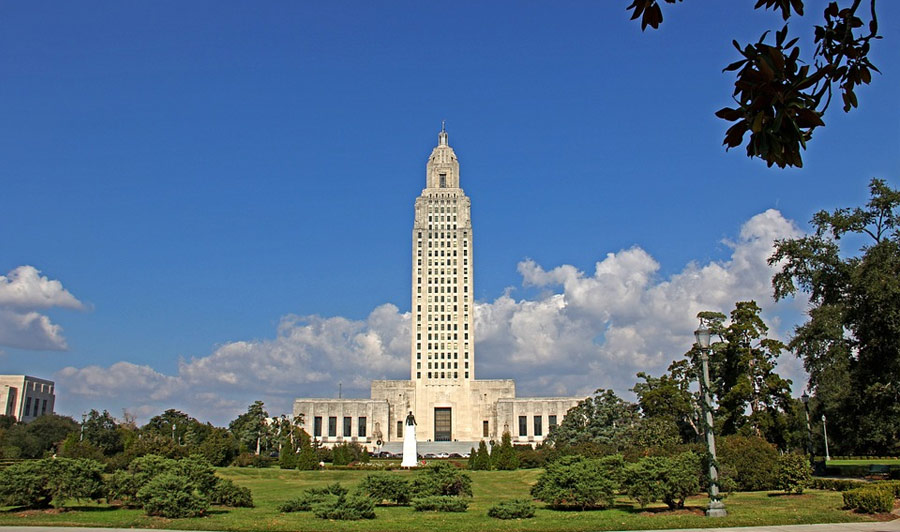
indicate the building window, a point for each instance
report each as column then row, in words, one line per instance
column 399, row 429
column 552, row 422
column 348, row 423
column 332, row 427
column 443, row 178
column 44, row 407
column 484, row 429
column 28, row 406
column 523, row 425
column 317, row 427
column 538, row 428
column 361, row 427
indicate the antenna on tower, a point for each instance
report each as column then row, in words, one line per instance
column 443, row 123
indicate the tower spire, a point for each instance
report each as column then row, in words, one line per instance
column 442, row 136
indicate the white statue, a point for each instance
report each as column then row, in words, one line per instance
column 410, row 457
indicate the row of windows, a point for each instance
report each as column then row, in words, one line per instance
column 538, row 422
column 333, row 426
column 442, row 271
column 37, row 403
column 437, row 262
column 419, row 236
column 454, row 375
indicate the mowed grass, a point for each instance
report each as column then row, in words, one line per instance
column 865, row 462
column 273, row 486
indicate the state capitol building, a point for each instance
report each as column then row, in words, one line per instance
column 449, row 403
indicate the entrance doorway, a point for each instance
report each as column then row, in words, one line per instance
column 442, row 424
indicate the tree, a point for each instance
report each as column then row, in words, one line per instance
column 182, row 428
column 40, row 436
column 101, row 431
column 481, row 461
column 850, row 345
column 780, row 98
column 669, row 397
column 250, row 428
column 603, row 419
column 504, row 457
column 743, row 372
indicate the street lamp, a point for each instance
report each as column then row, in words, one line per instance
column 825, row 432
column 809, row 444
column 716, row 507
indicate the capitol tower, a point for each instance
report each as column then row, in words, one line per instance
column 442, row 312
column 453, row 410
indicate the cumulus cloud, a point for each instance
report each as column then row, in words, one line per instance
column 584, row 331
column 23, row 291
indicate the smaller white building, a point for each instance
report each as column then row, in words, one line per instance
column 25, row 397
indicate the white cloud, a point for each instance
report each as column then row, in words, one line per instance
column 25, row 288
column 585, row 330
column 23, row 291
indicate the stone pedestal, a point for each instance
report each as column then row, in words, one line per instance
column 716, row 509
column 410, row 456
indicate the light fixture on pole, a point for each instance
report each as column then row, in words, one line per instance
column 716, row 507
column 809, row 444
column 825, row 433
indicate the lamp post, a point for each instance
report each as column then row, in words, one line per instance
column 716, row 507
column 809, row 444
column 83, row 418
column 825, row 432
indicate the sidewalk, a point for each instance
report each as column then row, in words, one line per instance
column 887, row 526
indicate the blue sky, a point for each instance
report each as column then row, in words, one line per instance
column 224, row 190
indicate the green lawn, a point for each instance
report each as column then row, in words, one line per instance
column 272, row 486
column 864, row 462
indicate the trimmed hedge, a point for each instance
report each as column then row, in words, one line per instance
column 835, row 484
column 514, row 509
column 870, row 500
column 440, row 503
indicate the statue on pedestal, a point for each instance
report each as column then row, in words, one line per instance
column 410, row 456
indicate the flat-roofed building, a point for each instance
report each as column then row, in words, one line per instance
column 25, row 397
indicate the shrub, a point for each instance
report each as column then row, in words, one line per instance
column 312, row 497
column 751, row 462
column 171, row 495
column 891, row 485
column 530, row 458
column 252, row 460
column 384, row 487
column 226, row 493
column 793, row 473
column 870, row 500
column 440, row 503
column 834, row 484
column 514, row 509
column 442, row 479
column 576, row 481
column 682, row 479
column 40, row 483
column 347, row 453
column 644, row 479
column 345, row 507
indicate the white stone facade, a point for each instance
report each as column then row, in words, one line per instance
column 448, row 402
column 26, row 398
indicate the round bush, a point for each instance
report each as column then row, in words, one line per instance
column 440, row 503
column 514, row 509
column 171, row 495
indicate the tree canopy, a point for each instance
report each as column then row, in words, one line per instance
column 850, row 343
column 780, row 97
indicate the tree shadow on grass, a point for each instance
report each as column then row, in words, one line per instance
column 789, row 495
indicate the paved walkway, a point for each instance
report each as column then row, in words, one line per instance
column 888, row 526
